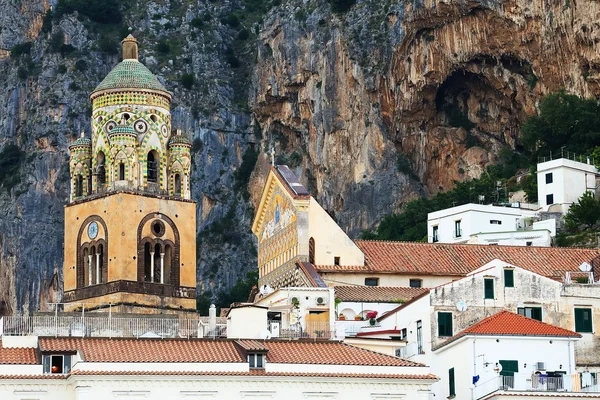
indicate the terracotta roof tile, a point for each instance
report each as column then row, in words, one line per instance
column 377, row 294
column 507, row 323
column 39, row 376
column 251, row 345
column 206, row 350
column 17, row 355
column 147, row 350
column 460, row 259
column 305, row 352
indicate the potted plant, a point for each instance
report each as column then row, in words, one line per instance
column 357, row 318
column 342, row 317
column 371, row 315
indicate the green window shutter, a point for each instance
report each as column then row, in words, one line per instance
column 488, row 288
column 444, row 324
column 509, row 367
column 509, row 278
column 536, row 313
column 451, row 385
column 583, row 320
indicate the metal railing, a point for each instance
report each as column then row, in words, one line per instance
column 313, row 329
column 575, row 383
column 101, row 326
column 569, row 155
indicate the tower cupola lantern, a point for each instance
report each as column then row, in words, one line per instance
column 130, row 48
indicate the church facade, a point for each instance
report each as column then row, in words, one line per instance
column 130, row 225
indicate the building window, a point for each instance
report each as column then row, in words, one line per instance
column 549, row 177
column 78, row 186
column 451, row 385
column 403, row 334
column 121, row 172
column 495, row 222
column 336, row 261
column 152, row 166
column 57, row 364
column 100, row 168
column 415, row 283
column 420, row 337
column 256, row 361
column 311, row 250
column 371, row 281
column 528, row 244
column 583, row 320
column 549, row 199
column 177, row 185
column 457, row 230
column 509, row 278
column 444, row 324
column 435, row 234
column 488, row 287
column 531, row 312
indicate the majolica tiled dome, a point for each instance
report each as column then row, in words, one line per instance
column 82, row 141
column 179, row 139
column 122, row 130
column 130, row 74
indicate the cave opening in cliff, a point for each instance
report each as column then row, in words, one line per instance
column 454, row 97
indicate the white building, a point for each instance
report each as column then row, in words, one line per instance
column 487, row 224
column 562, row 182
column 427, row 321
column 90, row 368
column 508, row 354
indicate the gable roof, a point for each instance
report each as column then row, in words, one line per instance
column 460, row 259
column 220, row 351
column 506, row 323
column 377, row 294
column 17, row 355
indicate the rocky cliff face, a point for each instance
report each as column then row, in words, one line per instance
column 441, row 86
column 357, row 90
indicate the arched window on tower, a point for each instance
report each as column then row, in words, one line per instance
column 78, row 186
column 100, row 264
column 177, row 185
column 121, row 172
column 100, row 168
column 147, row 262
column 168, row 262
column 311, row 250
column 158, row 268
column 152, row 166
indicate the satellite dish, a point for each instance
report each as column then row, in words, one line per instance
column 265, row 335
column 585, row 267
column 266, row 290
column 461, row 306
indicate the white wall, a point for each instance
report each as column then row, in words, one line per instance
column 340, row 278
column 407, row 317
column 230, row 388
column 246, row 322
column 330, row 240
column 469, row 355
column 570, row 179
column 540, row 238
column 475, row 218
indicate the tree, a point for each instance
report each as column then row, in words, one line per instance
column 586, row 213
column 239, row 292
column 565, row 121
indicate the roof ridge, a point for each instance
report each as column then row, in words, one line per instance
column 438, row 244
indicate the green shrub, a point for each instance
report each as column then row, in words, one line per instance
column 197, row 23
column 22, row 73
column 187, row 80
column 19, row 49
column 341, row 6
column 100, row 11
column 81, row 65
column 11, row 158
column 61, row 69
column 231, row 58
column 242, row 175
column 163, row 47
column 108, row 45
column 403, row 164
column 243, row 35
column 231, row 20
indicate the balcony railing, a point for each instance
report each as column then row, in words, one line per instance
column 314, row 330
column 105, row 325
column 575, row 383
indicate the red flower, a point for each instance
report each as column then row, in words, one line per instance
column 372, row 314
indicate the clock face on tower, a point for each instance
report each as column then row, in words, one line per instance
column 93, row 230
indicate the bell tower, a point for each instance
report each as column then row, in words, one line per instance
column 130, row 225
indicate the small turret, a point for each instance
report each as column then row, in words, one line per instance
column 79, row 166
column 130, row 48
